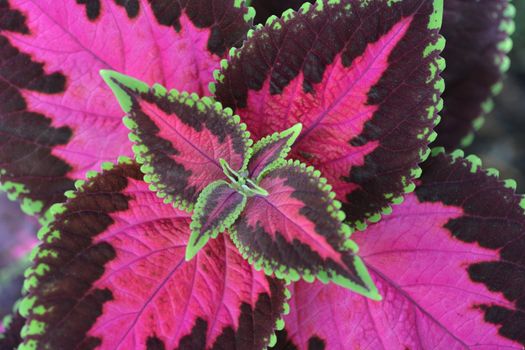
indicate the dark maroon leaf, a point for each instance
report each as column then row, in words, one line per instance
column 477, row 34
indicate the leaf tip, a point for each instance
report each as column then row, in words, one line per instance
column 122, row 85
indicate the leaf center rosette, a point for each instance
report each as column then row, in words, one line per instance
column 280, row 213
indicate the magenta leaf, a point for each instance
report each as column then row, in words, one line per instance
column 111, row 274
column 180, row 138
column 57, row 117
column 297, row 231
column 217, row 208
column 362, row 78
column 449, row 263
column 478, row 40
column 271, row 151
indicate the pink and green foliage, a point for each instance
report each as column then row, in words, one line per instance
column 296, row 230
column 180, row 138
column 477, row 34
column 448, row 262
column 209, row 240
column 111, row 274
column 368, row 100
column 52, row 51
column 189, row 146
column 217, row 207
column 269, row 152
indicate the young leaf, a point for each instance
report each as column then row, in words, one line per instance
column 271, row 151
column 297, row 231
column 449, row 262
column 363, row 79
column 111, row 274
column 478, row 40
column 179, row 138
column 57, row 117
column 217, row 208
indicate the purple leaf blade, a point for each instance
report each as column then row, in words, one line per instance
column 448, row 261
column 297, row 231
column 271, row 151
column 478, row 40
column 216, row 210
column 111, row 274
column 368, row 95
column 179, row 138
column 58, row 119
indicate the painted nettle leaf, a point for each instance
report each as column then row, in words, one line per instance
column 180, row 138
column 448, row 262
column 282, row 215
column 57, row 117
column 478, row 40
column 363, row 79
column 111, row 273
column 240, row 164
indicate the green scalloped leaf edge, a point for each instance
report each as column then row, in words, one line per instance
column 141, row 151
column 29, row 304
column 502, row 60
column 476, row 165
column 292, row 134
column 435, row 68
column 7, row 319
column 289, row 274
column 194, row 243
column 280, row 322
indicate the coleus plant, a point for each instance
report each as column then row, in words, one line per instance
column 118, row 268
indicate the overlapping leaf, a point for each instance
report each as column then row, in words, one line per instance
column 477, row 34
column 180, row 138
column 57, row 118
column 449, row 263
column 111, row 274
column 363, row 79
column 297, row 231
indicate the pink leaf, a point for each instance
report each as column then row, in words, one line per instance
column 296, row 231
column 449, row 263
column 180, row 138
column 57, row 117
column 362, row 78
column 111, row 274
